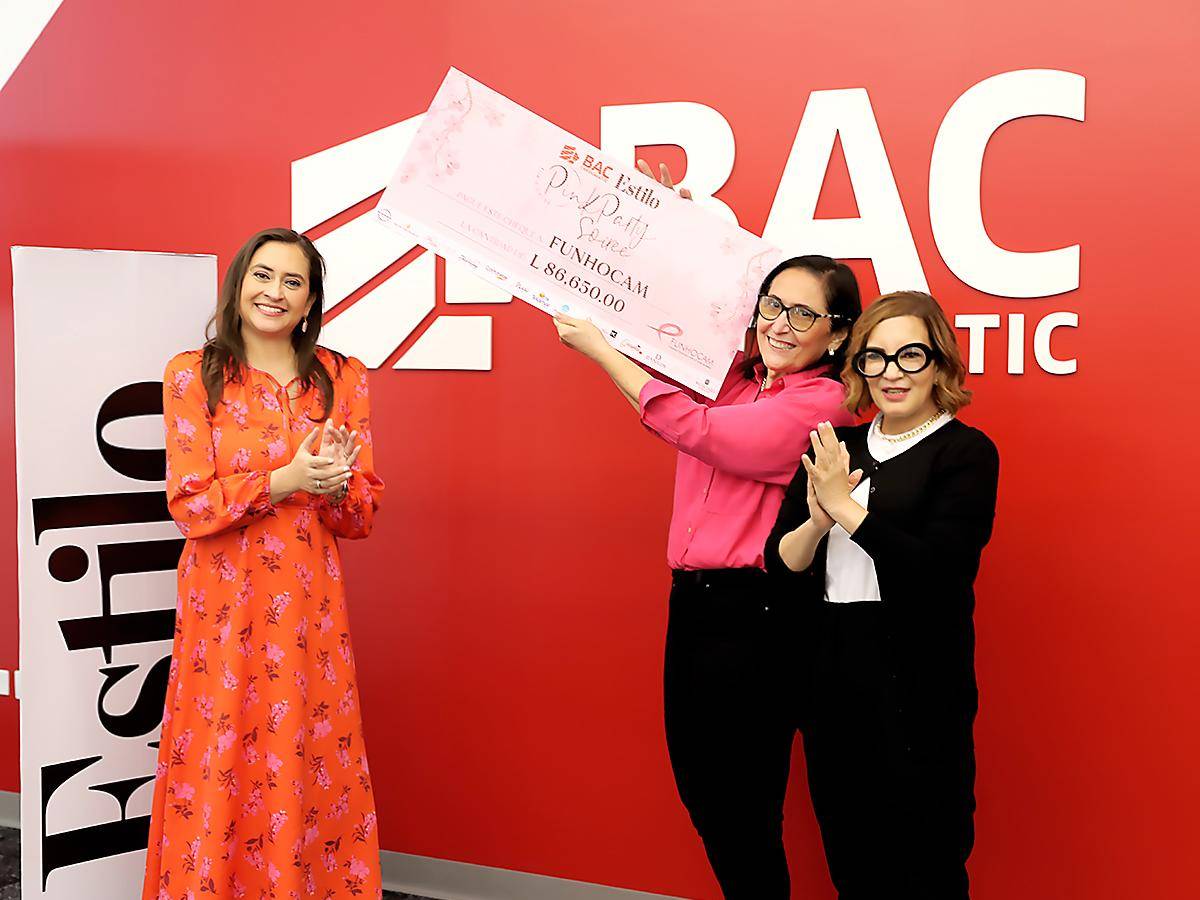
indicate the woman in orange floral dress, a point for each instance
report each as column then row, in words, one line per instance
column 262, row 786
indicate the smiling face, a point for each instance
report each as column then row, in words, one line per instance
column 275, row 293
column 905, row 399
column 782, row 349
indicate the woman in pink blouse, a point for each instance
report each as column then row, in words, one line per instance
column 732, row 700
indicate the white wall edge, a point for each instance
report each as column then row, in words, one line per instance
column 21, row 24
column 10, row 809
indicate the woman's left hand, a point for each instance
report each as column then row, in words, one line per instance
column 339, row 444
column 830, row 474
column 581, row 335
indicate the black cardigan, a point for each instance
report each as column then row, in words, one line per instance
column 929, row 518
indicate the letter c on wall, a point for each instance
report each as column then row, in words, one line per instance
column 955, row 170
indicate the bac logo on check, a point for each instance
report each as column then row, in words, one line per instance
column 590, row 164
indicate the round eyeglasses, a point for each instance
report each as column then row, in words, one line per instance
column 910, row 359
column 799, row 318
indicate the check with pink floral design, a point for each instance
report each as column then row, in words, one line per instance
column 563, row 226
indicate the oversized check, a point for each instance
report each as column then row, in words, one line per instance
column 559, row 224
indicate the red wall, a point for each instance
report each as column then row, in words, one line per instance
column 509, row 611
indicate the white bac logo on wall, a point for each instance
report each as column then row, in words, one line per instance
column 377, row 323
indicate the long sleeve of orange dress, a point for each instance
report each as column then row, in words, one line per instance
column 201, row 502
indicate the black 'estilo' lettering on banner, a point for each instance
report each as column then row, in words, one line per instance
column 109, row 630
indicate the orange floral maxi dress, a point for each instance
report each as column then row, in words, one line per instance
column 262, row 788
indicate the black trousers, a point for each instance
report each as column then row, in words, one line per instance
column 892, row 786
column 733, row 702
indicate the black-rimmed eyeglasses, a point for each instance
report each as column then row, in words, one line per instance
column 910, row 359
column 799, row 318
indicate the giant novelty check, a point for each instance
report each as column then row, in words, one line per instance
column 555, row 222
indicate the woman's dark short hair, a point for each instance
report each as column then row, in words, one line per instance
column 842, row 298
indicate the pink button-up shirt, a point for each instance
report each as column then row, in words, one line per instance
column 736, row 457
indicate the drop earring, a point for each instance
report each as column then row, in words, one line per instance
column 304, row 326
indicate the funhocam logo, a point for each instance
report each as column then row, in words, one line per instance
column 373, row 323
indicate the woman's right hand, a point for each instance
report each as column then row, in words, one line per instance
column 580, row 335
column 664, row 177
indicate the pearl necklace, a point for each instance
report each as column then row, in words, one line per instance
column 911, row 433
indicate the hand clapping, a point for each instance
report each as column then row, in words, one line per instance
column 338, row 444
column 328, row 470
column 830, row 480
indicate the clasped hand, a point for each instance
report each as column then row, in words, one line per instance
column 830, row 480
column 328, row 470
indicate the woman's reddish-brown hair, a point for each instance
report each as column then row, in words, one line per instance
column 948, row 391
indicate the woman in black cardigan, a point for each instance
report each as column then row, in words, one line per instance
column 883, row 530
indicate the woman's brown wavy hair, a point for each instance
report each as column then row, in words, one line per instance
column 948, row 391
column 224, row 354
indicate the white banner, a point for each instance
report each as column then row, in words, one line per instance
column 97, row 551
